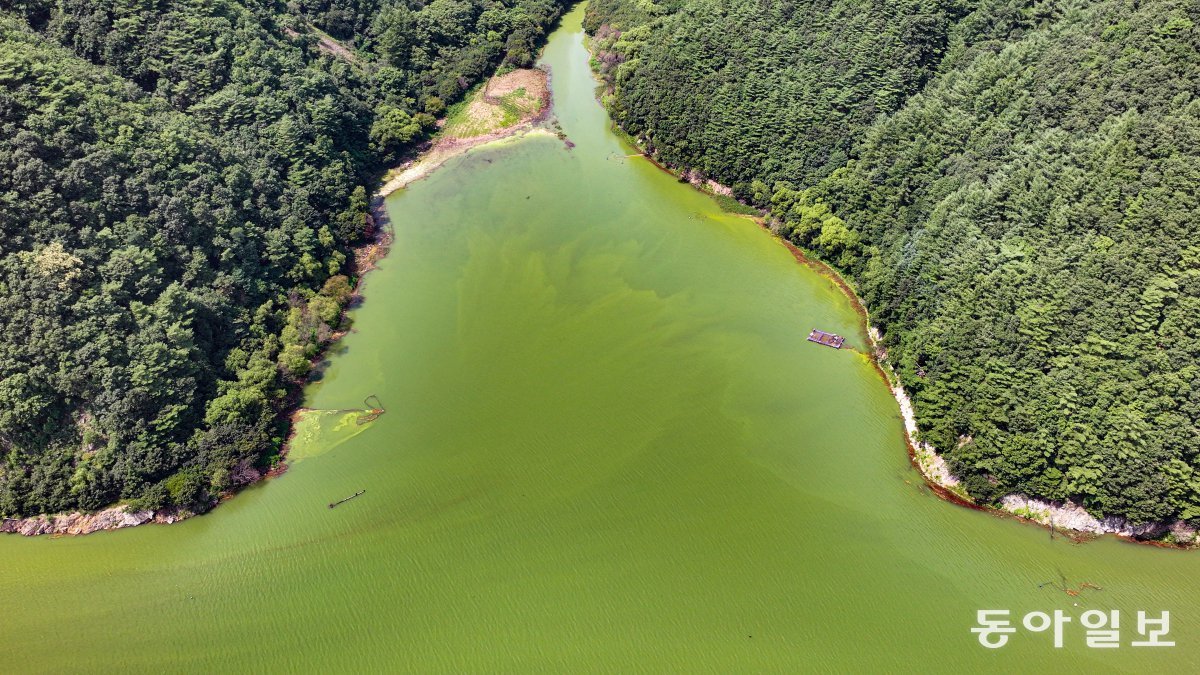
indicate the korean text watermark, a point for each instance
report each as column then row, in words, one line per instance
column 1101, row 629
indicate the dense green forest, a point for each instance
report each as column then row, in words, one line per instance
column 180, row 184
column 1010, row 184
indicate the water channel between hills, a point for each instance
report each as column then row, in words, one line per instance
column 607, row 448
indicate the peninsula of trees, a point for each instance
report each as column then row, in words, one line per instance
column 1011, row 185
column 180, row 185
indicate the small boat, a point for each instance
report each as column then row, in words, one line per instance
column 828, row 339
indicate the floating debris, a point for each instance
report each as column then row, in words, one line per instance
column 1065, row 587
column 343, row 501
column 374, row 410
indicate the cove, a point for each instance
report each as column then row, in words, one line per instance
column 607, row 448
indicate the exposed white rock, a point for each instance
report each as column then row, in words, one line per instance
column 930, row 462
column 698, row 179
column 1062, row 515
column 112, row 518
column 1072, row 516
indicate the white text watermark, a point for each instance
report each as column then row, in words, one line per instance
column 1102, row 630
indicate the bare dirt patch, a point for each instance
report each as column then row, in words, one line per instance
column 505, row 101
column 507, row 105
column 532, row 80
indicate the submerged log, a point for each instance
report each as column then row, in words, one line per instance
column 343, row 501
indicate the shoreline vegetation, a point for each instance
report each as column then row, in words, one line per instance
column 190, row 198
column 510, row 105
column 1041, row 364
column 1066, row 518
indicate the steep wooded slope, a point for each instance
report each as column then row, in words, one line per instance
column 179, row 184
column 1016, row 204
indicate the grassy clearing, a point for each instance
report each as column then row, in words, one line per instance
column 505, row 101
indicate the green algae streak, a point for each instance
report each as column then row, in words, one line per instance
column 608, row 448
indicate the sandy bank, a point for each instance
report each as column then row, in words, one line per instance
column 482, row 121
column 445, row 149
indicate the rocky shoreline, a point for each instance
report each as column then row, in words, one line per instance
column 1074, row 517
column 1067, row 517
column 112, row 518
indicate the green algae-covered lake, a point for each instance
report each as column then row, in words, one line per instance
column 608, row 448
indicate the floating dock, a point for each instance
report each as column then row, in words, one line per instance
column 828, row 339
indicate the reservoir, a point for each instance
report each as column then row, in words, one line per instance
column 608, row 447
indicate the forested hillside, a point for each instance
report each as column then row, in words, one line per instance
column 1012, row 187
column 179, row 187
column 769, row 91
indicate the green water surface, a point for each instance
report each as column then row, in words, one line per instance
column 607, row 448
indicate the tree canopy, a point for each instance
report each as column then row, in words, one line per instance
column 1010, row 184
column 180, row 184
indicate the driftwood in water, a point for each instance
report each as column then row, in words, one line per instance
column 343, row 501
column 375, row 409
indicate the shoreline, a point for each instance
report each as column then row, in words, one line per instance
column 365, row 257
column 441, row 150
column 1066, row 518
column 444, row 150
